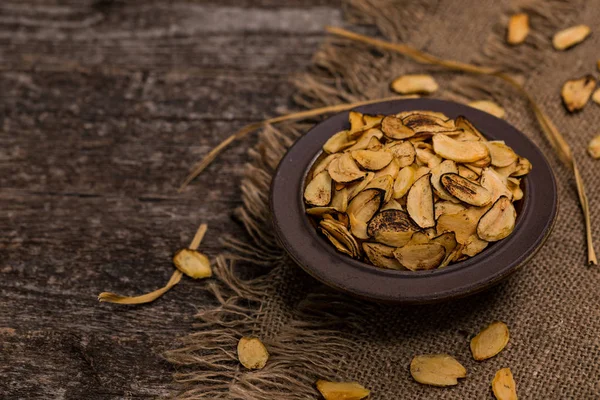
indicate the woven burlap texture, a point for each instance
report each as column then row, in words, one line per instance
column 552, row 306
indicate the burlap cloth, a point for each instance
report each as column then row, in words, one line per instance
column 552, row 306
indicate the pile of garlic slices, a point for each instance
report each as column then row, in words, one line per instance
column 416, row 190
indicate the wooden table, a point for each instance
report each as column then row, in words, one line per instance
column 104, row 106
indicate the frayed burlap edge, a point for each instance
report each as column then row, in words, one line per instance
column 207, row 359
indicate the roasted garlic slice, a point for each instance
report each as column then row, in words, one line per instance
column 338, row 142
column 381, row 255
column 463, row 223
column 342, row 390
column 357, row 124
column 420, row 256
column 504, row 386
column 362, row 208
column 391, row 227
column 414, row 84
column 419, row 202
column 594, row 147
column 502, row 155
column 447, row 207
column 437, row 370
column 466, row 190
column 471, row 132
column 343, row 169
column 318, row 190
column 393, row 128
column 404, row 152
column 490, row 341
column 338, row 230
column 575, row 93
column 570, row 37
column 445, row 167
column 473, row 246
column 459, row 151
column 385, row 183
column 495, row 183
column 498, row 222
column 518, row 28
column 405, row 179
column 372, row 160
column 192, row 263
column 252, row 353
column 364, row 138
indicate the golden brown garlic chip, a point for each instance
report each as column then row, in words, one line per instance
column 404, row 181
column 445, row 167
column 338, row 142
column 504, row 386
column 391, row 227
column 420, row 256
column 502, row 155
column 459, row 151
column 414, row 84
column 252, row 353
column 362, row 208
column 393, row 128
column 518, row 29
column 498, row 222
column 342, row 390
column 437, row 370
column 570, row 37
column 318, row 191
column 192, row 263
column 381, row 255
column 372, row 160
column 419, row 202
column 594, row 147
column 575, row 93
column 490, row 341
column 404, row 152
column 466, row 190
column 343, row 169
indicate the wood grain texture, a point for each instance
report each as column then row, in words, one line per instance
column 104, row 105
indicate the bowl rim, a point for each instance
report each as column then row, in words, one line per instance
column 318, row 258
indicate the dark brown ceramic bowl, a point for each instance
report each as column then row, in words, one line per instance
column 536, row 215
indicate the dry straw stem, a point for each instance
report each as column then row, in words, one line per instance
column 109, row 297
column 551, row 132
column 315, row 112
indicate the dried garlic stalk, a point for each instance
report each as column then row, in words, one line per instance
column 518, row 29
column 490, row 341
column 557, row 141
column 190, row 262
column 342, row 390
column 594, row 147
column 414, row 84
column 489, row 107
column 575, row 93
column 252, row 353
column 504, row 386
column 570, row 37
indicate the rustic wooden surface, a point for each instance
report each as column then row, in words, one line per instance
column 103, row 107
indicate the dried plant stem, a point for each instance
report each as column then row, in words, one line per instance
column 209, row 158
column 551, row 132
column 109, row 297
